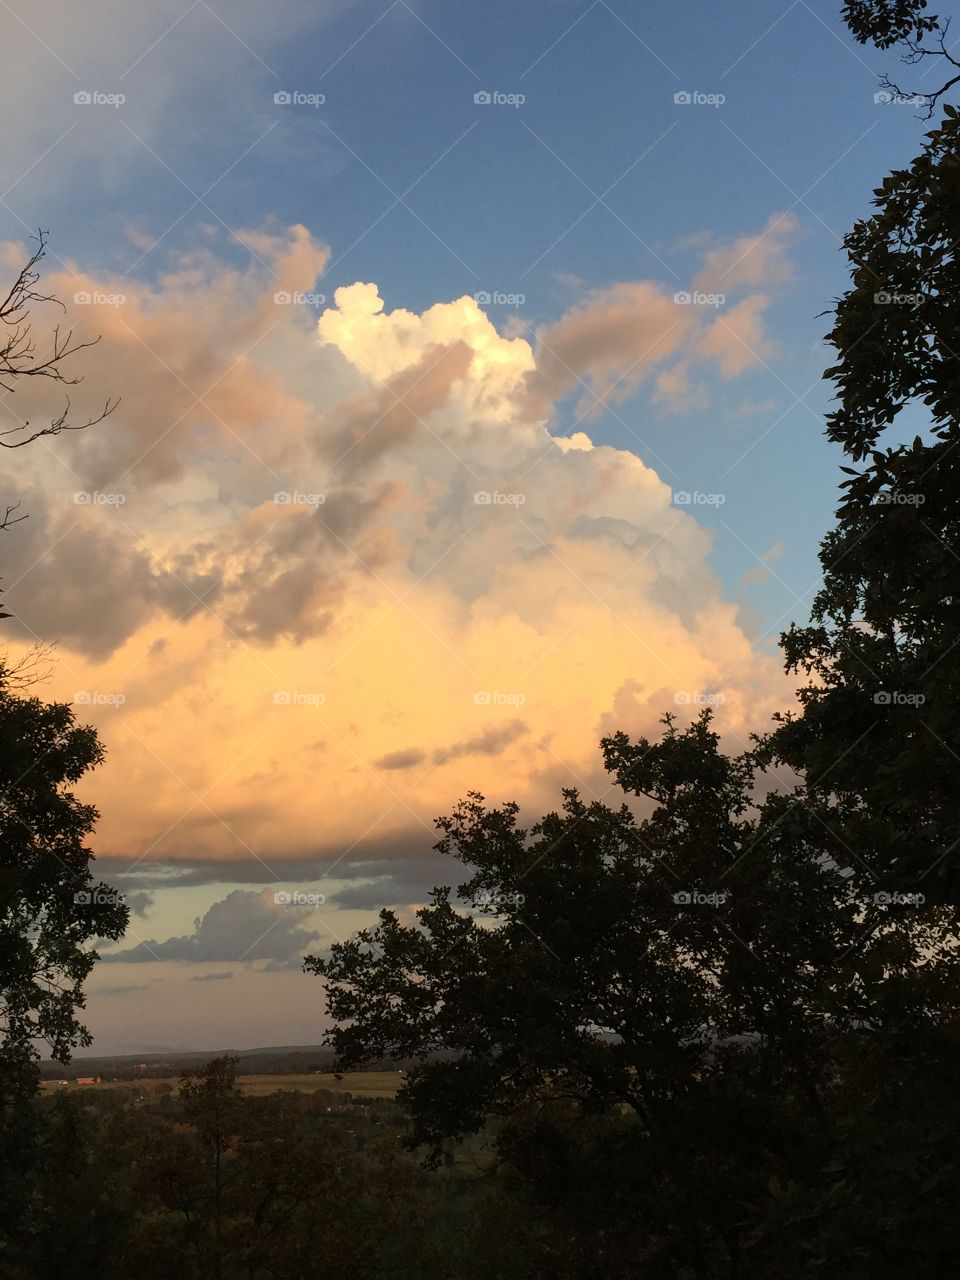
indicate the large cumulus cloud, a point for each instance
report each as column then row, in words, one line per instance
column 355, row 573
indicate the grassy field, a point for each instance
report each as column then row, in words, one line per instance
column 368, row 1084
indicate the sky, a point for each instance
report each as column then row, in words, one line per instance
column 470, row 365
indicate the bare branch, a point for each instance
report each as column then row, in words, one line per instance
column 916, row 53
column 19, row 359
column 33, row 667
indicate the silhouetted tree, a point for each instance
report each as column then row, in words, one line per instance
column 51, row 909
column 699, row 986
column 921, row 36
column 20, row 359
column 878, row 739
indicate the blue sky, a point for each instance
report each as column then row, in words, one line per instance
column 493, row 189
column 597, row 177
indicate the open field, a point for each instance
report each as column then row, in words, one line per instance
column 369, row 1084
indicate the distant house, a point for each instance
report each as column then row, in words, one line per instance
column 89, row 1079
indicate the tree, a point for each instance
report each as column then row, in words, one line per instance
column 921, row 36
column 51, row 908
column 699, row 986
column 211, row 1101
column 20, row 359
column 878, row 737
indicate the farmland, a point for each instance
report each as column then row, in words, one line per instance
column 361, row 1084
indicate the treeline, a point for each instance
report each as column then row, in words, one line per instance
column 208, row 1183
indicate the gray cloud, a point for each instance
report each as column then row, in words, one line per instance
column 121, row 990
column 488, row 743
column 139, row 902
column 370, row 857
column 404, row 759
column 244, row 925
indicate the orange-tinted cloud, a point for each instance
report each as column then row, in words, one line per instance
column 352, row 574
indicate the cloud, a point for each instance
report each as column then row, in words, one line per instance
column 608, row 345
column 489, row 742
column 219, row 975
column 121, row 990
column 243, row 926
column 622, row 335
column 752, row 261
column 139, row 902
column 764, row 571
column 358, row 576
column 403, row 759
column 169, row 61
